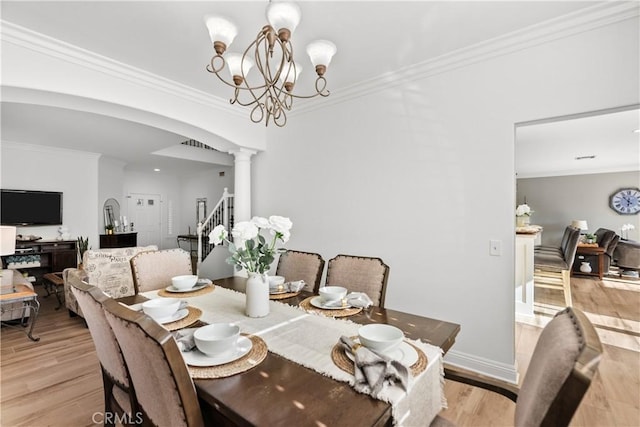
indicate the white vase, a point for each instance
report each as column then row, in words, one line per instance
column 257, row 295
column 522, row 221
column 585, row 267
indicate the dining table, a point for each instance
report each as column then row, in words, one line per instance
column 281, row 392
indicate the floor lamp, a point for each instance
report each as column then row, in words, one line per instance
column 7, row 247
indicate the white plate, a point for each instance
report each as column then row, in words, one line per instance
column 317, row 302
column 277, row 292
column 196, row 358
column 178, row 315
column 195, row 287
column 405, row 354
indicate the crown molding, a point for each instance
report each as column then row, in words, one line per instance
column 46, row 149
column 46, row 45
column 554, row 29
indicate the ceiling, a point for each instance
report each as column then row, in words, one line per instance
column 169, row 38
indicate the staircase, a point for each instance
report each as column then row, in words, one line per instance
column 222, row 213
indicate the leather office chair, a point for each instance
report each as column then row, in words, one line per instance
column 563, row 365
column 298, row 265
column 165, row 391
column 154, row 269
column 119, row 395
column 359, row 274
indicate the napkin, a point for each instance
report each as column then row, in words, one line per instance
column 354, row 299
column 374, row 372
column 184, row 338
column 288, row 287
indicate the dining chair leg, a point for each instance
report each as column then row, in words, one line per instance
column 566, row 283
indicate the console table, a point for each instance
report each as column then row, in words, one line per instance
column 118, row 240
column 40, row 257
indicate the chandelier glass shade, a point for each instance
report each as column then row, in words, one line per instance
column 269, row 91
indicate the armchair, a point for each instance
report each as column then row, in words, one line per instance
column 627, row 255
column 608, row 240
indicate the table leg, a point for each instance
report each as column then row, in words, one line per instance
column 34, row 308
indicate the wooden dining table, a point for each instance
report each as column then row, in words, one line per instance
column 279, row 392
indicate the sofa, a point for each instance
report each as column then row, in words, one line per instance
column 627, row 255
column 108, row 269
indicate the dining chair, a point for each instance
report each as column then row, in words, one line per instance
column 298, row 265
column 165, row 391
column 153, row 270
column 119, row 395
column 359, row 274
column 563, row 365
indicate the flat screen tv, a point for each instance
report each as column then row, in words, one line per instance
column 28, row 207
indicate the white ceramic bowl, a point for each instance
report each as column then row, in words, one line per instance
column 276, row 281
column 184, row 282
column 380, row 337
column 217, row 339
column 160, row 308
column 332, row 293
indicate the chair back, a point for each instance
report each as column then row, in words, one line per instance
column 115, row 372
column 154, row 269
column 571, row 246
column 607, row 239
column 298, row 265
column 165, row 391
column 562, row 367
column 359, row 274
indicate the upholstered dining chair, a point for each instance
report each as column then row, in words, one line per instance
column 165, row 391
column 154, row 269
column 359, row 274
column 564, row 362
column 298, row 265
column 119, row 395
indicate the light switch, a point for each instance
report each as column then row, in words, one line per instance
column 495, row 248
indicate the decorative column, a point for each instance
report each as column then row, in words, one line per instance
column 242, row 184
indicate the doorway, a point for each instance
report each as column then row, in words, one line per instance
column 144, row 214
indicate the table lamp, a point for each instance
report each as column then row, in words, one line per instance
column 580, row 224
column 7, row 247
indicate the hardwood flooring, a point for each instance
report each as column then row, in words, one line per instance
column 57, row 381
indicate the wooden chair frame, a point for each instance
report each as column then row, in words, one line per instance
column 316, row 284
column 385, row 275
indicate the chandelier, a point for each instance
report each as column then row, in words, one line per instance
column 270, row 94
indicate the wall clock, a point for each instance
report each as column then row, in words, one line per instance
column 625, row 201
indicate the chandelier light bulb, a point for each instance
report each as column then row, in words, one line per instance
column 289, row 74
column 238, row 67
column 320, row 52
column 284, row 17
column 221, row 30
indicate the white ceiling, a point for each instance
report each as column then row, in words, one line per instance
column 169, row 38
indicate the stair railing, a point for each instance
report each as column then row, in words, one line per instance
column 222, row 213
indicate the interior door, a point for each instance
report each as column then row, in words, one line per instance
column 144, row 213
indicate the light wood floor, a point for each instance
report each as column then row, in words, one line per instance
column 57, row 381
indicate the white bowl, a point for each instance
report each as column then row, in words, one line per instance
column 332, row 293
column 160, row 308
column 276, row 281
column 184, row 282
column 217, row 338
column 380, row 337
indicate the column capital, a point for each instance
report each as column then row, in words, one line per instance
column 242, row 153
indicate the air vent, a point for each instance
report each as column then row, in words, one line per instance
column 593, row 156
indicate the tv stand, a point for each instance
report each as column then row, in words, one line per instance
column 40, row 257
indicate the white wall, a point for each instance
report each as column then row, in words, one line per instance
column 422, row 175
column 75, row 173
column 557, row 201
column 110, row 184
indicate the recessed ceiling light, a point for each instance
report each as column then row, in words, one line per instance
column 592, row 156
column 156, row 170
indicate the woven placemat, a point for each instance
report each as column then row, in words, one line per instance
column 306, row 304
column 194, row 315
column 203, row 291
column 255, row 356
column 342, row 361
column 283, row 296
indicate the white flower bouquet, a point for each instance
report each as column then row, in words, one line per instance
column 250, row 249
column 523, row 210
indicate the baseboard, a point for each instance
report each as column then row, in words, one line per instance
column 490, row 368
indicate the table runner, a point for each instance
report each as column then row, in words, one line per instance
column 307, row 339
